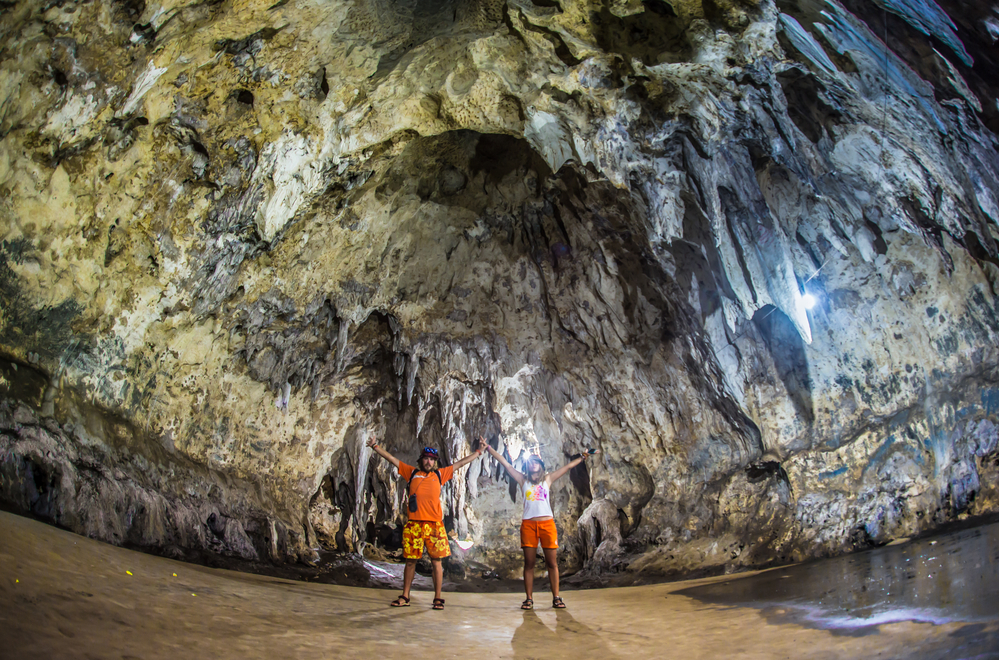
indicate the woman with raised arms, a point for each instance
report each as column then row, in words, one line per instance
column 538, row 524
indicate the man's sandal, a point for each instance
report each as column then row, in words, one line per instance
column 401, row 601
column 557, row 603
column 438, row 604
column 528, row 604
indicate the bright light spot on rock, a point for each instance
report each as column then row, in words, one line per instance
column 465, row 545
column 808, row 300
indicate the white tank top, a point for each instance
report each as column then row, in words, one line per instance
column 536, row 500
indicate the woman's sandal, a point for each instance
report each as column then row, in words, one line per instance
column 557, row 603
column 401, row 601
column 528, row 604
column 438, row 604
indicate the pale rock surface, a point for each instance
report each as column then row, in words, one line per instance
column 239, row 240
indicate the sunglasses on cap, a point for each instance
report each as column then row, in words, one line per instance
column 429, row 451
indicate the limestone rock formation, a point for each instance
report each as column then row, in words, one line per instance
column 239, row 239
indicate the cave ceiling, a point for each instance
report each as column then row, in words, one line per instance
column 241, row 238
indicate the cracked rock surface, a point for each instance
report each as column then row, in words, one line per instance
column 241, row 238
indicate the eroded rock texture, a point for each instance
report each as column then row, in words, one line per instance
column 241, row 238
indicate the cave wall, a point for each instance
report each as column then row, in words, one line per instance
column 240, row 239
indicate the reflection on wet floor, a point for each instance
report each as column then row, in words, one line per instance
column 948, row 578
column 535, row 639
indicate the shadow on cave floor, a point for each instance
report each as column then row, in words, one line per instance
column 66, row 596
column 388, row 575
column 942, row 579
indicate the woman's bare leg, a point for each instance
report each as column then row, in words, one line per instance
column 551, row 561
column 530, row 555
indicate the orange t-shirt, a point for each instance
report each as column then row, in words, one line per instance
column 427, row 490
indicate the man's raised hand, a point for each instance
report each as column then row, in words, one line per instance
column 377, row 448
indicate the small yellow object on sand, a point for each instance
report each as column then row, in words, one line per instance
column 175, row 575
column 129, row 572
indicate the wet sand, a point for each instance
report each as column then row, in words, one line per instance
column 947, row 578
column 64, row 596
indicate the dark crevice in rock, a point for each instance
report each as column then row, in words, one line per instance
column 932, row 232
column 128, row 11
column 788, row 351
column 250, row 44
column 806, row 107
column 555, row 39
column 23, row 382
column 917, row 48
column 880, row 246
column 422, row 21
column 246, row 97
column 653, row 36
column 324, row 85
column 734, row 217
column 58, row 76
column 143, row 33
column 63, row 153
column 984, row 255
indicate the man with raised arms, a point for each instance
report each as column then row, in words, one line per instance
column 425, row 526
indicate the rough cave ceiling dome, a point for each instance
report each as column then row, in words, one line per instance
column 241, row 238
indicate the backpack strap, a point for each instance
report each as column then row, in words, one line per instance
column 413, row 475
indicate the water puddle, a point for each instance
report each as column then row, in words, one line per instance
column 944, row 579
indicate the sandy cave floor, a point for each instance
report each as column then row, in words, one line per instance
column 65, row 596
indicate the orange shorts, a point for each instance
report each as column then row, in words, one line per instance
column 533, row 531
column 416, row 533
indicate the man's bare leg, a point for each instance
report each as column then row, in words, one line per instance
column 438, row 576
column 407, row 577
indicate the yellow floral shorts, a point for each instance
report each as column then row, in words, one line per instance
column 418, row 532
